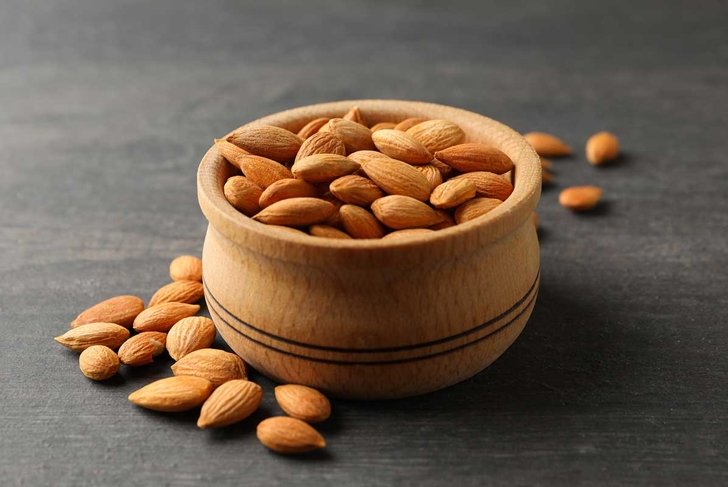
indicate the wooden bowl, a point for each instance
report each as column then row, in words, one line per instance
column 373, row 319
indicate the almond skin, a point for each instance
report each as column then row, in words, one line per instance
column 312, row 127
column 163, row 316
column 120, row 310
column 407, row 233
column 437, row 135
column 444, row 169
column 475, row 208
column 408, row 123
column 172, row 394
column 217, row 366
column 231, row 152
column 80, row 338
column 355, row 190
column 354, row 136
column 382, row 126
column 190, row 334
column 547, row 145
column 262, row 171
column 142, row 348
column 323, row 168
column 302, row 402
column 602, row 147
column 178, row 292
column 359, row 223
column 580, row 198
column 475, row 157
column 284, row 189
column 327, row 231
column 296, row 212
column 98, row 362
column 267, row 141
column 401, row 212
column 186, row 268
column 488, row 185
column 355, row 115
column 289, row 435
column 321, row 143
column 230, row 403
column 243, row 194
column 433, row 175
column 397, row 178
column 401, row 146
column 447, row 220
column 452, row 193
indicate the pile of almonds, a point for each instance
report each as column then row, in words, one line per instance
column 205, row 377
column 339, row 178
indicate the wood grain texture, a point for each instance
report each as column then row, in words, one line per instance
column 619, row 377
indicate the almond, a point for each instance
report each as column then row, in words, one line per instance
column 190, row 334
column 580, row 198
column 289, row 435
column 231, row 152
column 354, row 114
column 546, row 178
column 217, row 366
column 321, row 143
column 302, row 402
column 120, row 310
column 355, row 190
column 142, row 348
column 602, row 147
column 400, row 212
column 98, row 362
column 267, row 141
column 297, row 212
column 433, row 175
column 172, row 394
column 401, row 146
column 262, row 171
column 452, row 193
column 407, row 233
column 80, row 338
column 335, row 219
column 178, row 292
column 442, row 167
column 243, row 194
column 323, row 168
column 437, row 135
column 488, row 185
column 359, row 223
column 397, row 177
column 546, row 164
column 547, row 145
column 382, row 126
column 163, row 316
column 447, row 221
column 408, row 123
column 475, row 157
column 186, row 268
column 284, row 189
column 327, row 231
column 230, row 403
column 474, row 208
column 312, row 127
column 354, row 136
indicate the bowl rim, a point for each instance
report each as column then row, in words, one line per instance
column 499, row 222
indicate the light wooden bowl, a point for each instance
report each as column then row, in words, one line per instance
column 374, row 319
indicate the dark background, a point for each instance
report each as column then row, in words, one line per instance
column 620, row 377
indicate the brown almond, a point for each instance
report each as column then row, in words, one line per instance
column 163, row 316
column 401, row 146
column 289, row 435
column 400, row 212
column 546, row 164
column 335, row 219
column 268, row 141
column 172, row 394
column 452, row 193
column 186, row 268
column 382, row 126
column 327, row 231
column 284, row 189
column 547, row 145
column 437, row 135
column 488, row 185
column 602, row 147
column 323, row 168
column 263, row 171
column 230, row 403
column 296, row 212
column 302, row 402
column 546, row 177
column 444, row 169
column 190, row 334
column 354, row 136
column 142, row 348
column 447, row 220
column 580, row 198
column 475, row 208
column 231, row 152
column 98, row 362
column 217, row 366
column 408, row 123
column 433, row 175
column 355, row 190
column 80, row 338
column 321, row 143
column 397, row 177
column 475, row 157
column 178, row 292
column 120, row 310
column 243, row 194
column 312, row 127
column 354, row 114
column 359, row 223
column 407, row 233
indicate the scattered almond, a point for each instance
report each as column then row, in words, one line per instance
column 488, row 185
column 230, row 403
column 475, row 157
column 190, row 334
column 98, row 362
column 408, row 123
column 354, row 136
column 243, row 194
column 452, row 193
column 546, row 164
column 178, row 292
column 547, row 145
column 546, row 177
column 80, row 338
column 296, row 212
column 262, row 171
column 437, row 135
column 142, row 348
column 401, row 146
column 321, row 143
column 400, row 212
column 327, row 231
column 267, row 141
column 397, row 177
column 580, row 198
column 323, row 168
column 304, row 403
column 355, row 190
column 602, row 147
column 475, row 208
column 163, row 316
column 120, row 310
column 185, row 268
column 359, row 223
column 217, row 366
column 312, row 127
column 284, row 189
column 289, row 435
column 173, row 394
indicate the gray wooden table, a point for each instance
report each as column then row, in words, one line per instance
column 620, row 376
